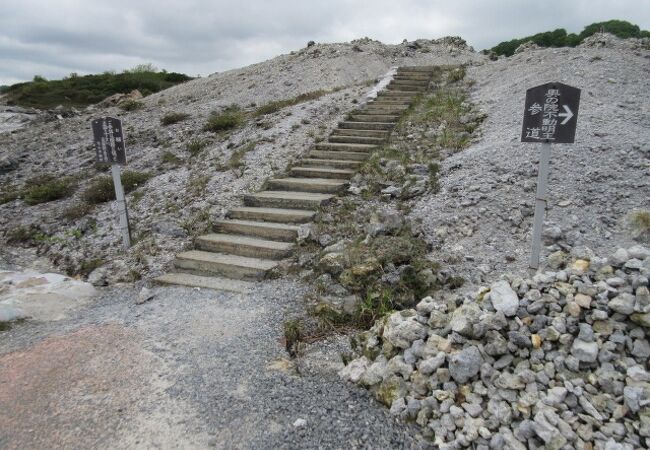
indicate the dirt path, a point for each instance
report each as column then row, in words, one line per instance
column 189, row 369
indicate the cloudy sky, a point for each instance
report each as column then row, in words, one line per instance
column 56, row 37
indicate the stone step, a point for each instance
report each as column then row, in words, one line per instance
column 345, row 147
column 209, row 282
column 379, row 111
column 278, row 215
column 398, row 107
column 389, row 104
column 394, row 93
column 418, row 69
column 243, row 246
column 321, row 185
column 410, row 82
column 265, row 230
column 356, row 140
column 365, row 133
column 370, row 118
column 405, row 88
column 338, row 154
column 284, row 199
column 333, row 163
column 412, row 77
column 200, row 263
column 401, row 99
column 351, row 125
column 322, row 172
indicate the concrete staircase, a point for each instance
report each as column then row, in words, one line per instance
column 252, row 239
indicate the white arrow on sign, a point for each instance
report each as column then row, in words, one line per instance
column 567, row 115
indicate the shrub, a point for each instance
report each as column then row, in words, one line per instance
column 47, row 188
column 196, row 146
column 77, row 211
column 8, row 193
column 172, row 118
column 22, row 235
column 229, row 119
column 103, row 190
column 560, row 38
column 170, row 158
column 131, row 105
column 275, row 106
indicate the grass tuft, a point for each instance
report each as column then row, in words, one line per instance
column 640, row 223
column 102, row 188
column 47, row 188
column 172, row 118
column 276, row 106
column 196, row 146
column 229, row 119
column 131, row 105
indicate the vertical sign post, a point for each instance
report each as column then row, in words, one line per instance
column 109, row 148
column 550, row 117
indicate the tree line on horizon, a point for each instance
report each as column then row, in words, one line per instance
column 80, row 91
column 560, row 37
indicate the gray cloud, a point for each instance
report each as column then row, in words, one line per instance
column 54, row 38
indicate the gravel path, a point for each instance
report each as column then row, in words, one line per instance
column 189, row 369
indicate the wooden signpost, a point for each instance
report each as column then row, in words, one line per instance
column 110, row 149
column 550, row 117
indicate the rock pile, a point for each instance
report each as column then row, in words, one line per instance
column 560, row 360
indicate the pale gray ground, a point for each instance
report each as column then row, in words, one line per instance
column 189, row 369
column 480, row 223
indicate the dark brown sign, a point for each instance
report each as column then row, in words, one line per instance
column 109, row 140
column 551, row 114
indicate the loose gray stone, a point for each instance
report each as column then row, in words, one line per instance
column 584, row 351
column 503, row 298
column 623, row 303
column 465, row 364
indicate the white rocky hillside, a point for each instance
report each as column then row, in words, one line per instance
column 481, row 220
column 185, row 191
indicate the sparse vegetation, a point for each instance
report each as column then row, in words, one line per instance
column 131, row 105
column 229, row 119
column 102, row 188
column 8, row 193
column 77, row 211
column 22, row 235
column 196, row 146
column 389, row 270
column 198, row 223
column 88, row 265
column 168, row 157
column 456, row 74
column 174, row 117
column 197, row 184
column 236, row 160
column 276, row 106
column 640, row 224
column 80, row 91
column 293, row 333
column 47, row 188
